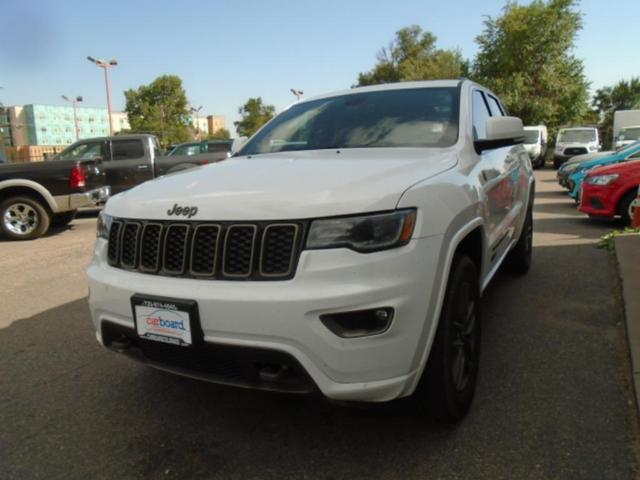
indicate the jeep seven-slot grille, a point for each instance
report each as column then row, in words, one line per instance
column 212, row 250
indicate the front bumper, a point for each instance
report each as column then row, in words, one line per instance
column 283, row 316
column 64, row 203
column 597, row 200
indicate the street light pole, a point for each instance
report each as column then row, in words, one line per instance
column 74, row 102
column 105, row 65
column 297, row 93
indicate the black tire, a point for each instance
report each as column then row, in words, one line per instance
column 23, row 218
column 448, row 383
column 624, row 204
column 518, row 260
column 557, row 163
column 60, row 220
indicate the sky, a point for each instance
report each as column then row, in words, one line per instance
column 228, row 51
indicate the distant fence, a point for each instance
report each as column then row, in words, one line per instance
column 31, row 153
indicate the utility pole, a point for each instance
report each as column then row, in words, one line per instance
column 106, row 65
column 74, row 102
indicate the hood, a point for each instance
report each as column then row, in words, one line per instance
column 588, row 156
column 291, row 185
column 628, row 168
column 605, row 160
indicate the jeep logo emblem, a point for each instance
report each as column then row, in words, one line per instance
column 184, row 211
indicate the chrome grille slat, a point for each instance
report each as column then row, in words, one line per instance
column 204, row 249
column 129, row 245
column 207, row 250
column 113, row 251
column 278, row 249
column 150, row 243
column 174, row 256
column 239, row 246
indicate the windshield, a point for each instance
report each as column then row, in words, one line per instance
column 186, row 149
column 578, row 135
column 531, row 137
column 419, row 117
column 631, row 133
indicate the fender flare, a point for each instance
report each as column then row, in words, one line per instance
column 35, row 186
column 429, row 336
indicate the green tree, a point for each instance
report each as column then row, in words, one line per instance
column 254, row 114
column 220, row 134
column 525, row 56
column 413, row 55
column 625, row 95
column 160, row 108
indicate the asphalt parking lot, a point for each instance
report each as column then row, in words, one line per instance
column 554, row 397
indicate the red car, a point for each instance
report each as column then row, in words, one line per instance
column 611, row 191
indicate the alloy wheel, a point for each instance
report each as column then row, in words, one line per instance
column 463, row 345
column 21, row 219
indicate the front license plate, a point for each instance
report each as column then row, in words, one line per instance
column 166, row 320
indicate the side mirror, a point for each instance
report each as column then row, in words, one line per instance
column 501, row 132
column 237, row 144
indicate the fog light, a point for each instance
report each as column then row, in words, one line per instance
column 359, row 323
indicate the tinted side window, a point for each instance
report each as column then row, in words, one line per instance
column 634, row 155
column 480, row 115
column 218, row 147
column 496, row 109
column 84, row 151
column 126, row 149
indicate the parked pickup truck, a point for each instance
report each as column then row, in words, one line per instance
column 129, row 160
column 35, row 196
column 343, row 249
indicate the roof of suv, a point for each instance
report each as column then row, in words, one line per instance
column 391, row 86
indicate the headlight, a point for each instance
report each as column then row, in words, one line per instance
column 364, row 233
column 602, row 179
column 104, row 225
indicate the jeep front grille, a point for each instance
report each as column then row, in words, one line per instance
column 211, row 250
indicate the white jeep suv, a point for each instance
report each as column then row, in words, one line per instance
column 343, row 249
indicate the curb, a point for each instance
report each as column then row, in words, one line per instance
column 628, row 257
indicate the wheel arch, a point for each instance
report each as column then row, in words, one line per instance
column 11, row 188
column 470, row 239
column 627, row 191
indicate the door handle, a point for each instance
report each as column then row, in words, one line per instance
column 143, row 167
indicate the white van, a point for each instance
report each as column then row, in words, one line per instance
column 626, row 127
column 575, row 141
column 535, row 142
column 626, row 136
